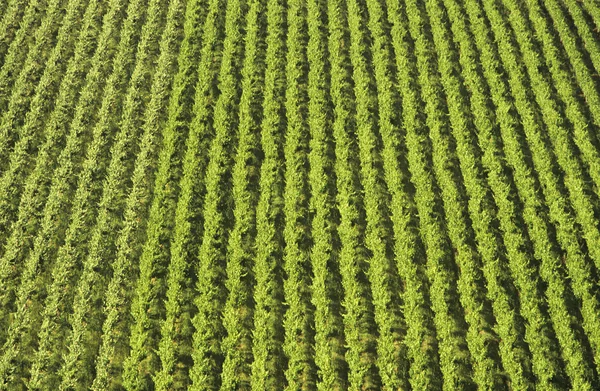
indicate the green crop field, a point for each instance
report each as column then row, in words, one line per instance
column 299, row 195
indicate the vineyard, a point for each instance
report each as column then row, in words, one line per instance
column 299, row 195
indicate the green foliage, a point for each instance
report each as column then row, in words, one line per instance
column 298, row 321
column 299, row 195
column 76, row 370
column 148, row 307
column 45, row 242
column 19, row 20
column 212, row 258
column 129, row 242
column 359, row 323
column 176, row 330
column 20, row 76
column 237, row 312
column 268, row 334
column 326, row 285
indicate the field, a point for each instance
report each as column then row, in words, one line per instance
column 299, row 195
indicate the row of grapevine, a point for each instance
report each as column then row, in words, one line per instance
column 558, row 312
column 575, row 16
column 147, row 308
column 318, row 195
column 174, row 348
column 480, row 337
column 421, row 335
column 15, row 50
column 298, row 320
column 34, row 186
column 54, row 127
column 573, row 112
column 267, row 368
column 30, row 288
column 113, row 348
column 11, row 263
column 17, row 31
column 582, row 273
column 593, row 10
column 15, row 99
column 12, row 13
column 481, row 208
column 566, row 85
column 560, row 318
column 84, row 339
column 37, row 124
column 237, row 311
column 358, row 312
column 16, row 157
column 547, row 365
column 583, row 208
column 83, row 193
column 557, row 126
column 56, row 86
column 525, row 182
column 530, row 118
column 515, row 238
column 326, row 287
column 590, row 52
column 513, row 352
column 211, row 259
column 459, row 237
column 371, row 100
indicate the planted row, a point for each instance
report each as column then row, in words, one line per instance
column 358, row 312
column 59, row 25
column 326, row 287
column 374, row 102
column 148, row 307
column 558, row 310
column 16, row 44
column 211, row 259
column 23, row 326
column 175, row 344
column 115, row 329
column 238, row 311
column 12, row 259
column 268, row 360
column 508, row 116
column 84, row 191
column 84, row 339
column 15, row 24
column 298, row 320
